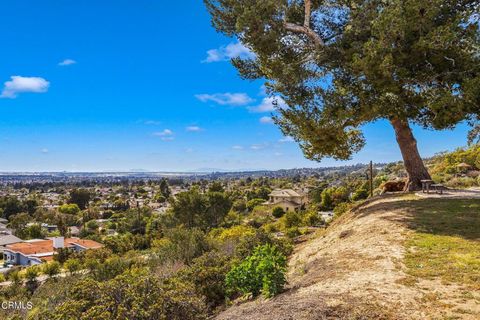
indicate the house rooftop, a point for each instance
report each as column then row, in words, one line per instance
column 284, row 193
column 85, row 243
column 28, row 248
column 9, row 239
column 40, row 247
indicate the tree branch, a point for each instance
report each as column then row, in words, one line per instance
column 308, row 12
column 305, row 29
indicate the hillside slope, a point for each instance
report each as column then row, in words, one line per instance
column 373, row 263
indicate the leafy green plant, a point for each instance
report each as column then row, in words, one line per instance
column 341, row 209
column 278, row 212
column 291, row 219
column 253, row 203
column 51, row 269
column 262, row 272
column 292, row 232
column 312, row 219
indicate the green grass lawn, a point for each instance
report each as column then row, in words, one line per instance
column 446, row 242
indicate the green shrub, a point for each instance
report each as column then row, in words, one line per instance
column 31, row 273
column 271, row 227
column 239, row 205
column 461, row 182
column 253, row 203
column 291, row 219
column 341, row 208
column 181, row 244
column 208, row 273
column 235, row 233
column 278, row 212
column 312, row 219
column 231, row 219
column 51, row 269
column 73, row 265
column 262, row 272
column 361, row 193
column 292, row 232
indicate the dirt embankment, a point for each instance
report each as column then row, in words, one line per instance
column 354, row 270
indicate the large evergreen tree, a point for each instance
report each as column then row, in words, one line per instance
column 340, row 64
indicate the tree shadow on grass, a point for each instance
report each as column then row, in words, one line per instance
column 450, row 217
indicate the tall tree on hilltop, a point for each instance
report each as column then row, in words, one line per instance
column 340, row 64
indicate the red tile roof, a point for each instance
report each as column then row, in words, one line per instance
column 46, row 246
column 89, row 244
column 42, row 246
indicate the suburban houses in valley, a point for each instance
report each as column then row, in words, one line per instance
column 37, row 251
column 287, row 199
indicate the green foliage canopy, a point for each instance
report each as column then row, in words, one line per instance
column 341, row 64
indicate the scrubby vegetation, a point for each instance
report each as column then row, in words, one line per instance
column 215, row 242
column 457, row 169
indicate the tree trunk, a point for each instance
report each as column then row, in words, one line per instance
column 411, row 157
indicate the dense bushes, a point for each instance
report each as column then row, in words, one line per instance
column 449, row 168
column 253, row 203
column 132, row 295
column 278, row 212
column 208, row 273
column 181, row 244
column 262, row 272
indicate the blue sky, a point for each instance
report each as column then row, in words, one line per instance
column 144, row 84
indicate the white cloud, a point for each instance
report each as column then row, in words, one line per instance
column 269, row 104
column 166, row 132
column 44, row 150
column 237, row 148
column 233, row 99
column 266, row 120
column 193, row 129
column 286, row 139
column 151, row 122
column 67, row 62
column 165, row 135
column 278, row 154
column 257, row 146
column 19, row 84
column 225, row 53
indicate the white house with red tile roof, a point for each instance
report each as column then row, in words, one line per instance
column 38, row 251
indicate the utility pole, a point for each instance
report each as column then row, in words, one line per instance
column 371, row 178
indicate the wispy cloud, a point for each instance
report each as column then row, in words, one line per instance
column 44, row 150
column 165, row 135
column 266, row 120
column 269, row 104
column 225, row 53
column 193, row 129
column 237, row 148
column 151, row 122
column 19, row 84
column 232, row 99
column 286, row 139
column 258, row 146
column 67, row 62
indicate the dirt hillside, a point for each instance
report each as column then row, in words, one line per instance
column 355, row 270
